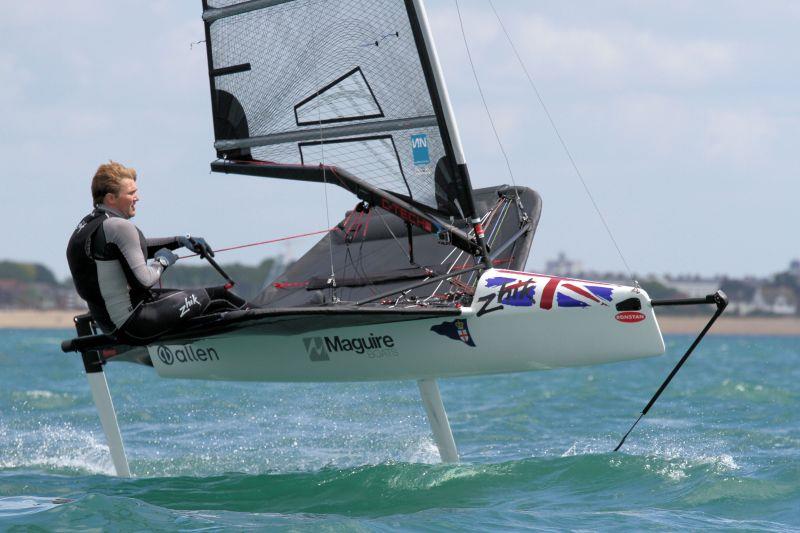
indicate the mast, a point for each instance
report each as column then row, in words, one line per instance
column 444, row 110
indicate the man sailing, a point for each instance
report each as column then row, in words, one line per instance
column 108, row 255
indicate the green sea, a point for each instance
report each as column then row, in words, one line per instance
column 720, row 450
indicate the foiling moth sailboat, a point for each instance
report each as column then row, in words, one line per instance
column 424, row 278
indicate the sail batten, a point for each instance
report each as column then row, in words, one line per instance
column 328, row 133
column 217, row 13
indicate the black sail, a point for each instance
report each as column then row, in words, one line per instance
column 300, row 86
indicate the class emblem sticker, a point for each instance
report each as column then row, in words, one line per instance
column 630, row 317
column 419, row 149
column 456, row 330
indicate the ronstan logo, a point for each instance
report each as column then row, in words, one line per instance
column 630, row 317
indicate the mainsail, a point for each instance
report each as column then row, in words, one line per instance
column 302, row 89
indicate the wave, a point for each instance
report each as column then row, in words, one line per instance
column 391, row 488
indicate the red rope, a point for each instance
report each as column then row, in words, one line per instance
column 262, row 242
column 290, row 284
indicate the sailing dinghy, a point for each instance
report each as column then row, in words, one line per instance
column 424, row 278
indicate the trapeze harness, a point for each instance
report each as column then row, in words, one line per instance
column 107, row 257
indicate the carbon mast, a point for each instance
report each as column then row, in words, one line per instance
column 444, row 110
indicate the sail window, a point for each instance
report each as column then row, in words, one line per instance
column 376, row 158
column 349, row 97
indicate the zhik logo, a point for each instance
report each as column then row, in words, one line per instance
column 315, row 347
column 188, row 302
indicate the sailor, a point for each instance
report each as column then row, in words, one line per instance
column 108, row 255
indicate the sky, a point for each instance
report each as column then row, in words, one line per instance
column 682, row 116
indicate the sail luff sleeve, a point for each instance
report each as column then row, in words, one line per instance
column 439, row 94
column 439, row 87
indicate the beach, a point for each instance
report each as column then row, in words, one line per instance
column 37, row 318
column 733, row 325
column 670, row 324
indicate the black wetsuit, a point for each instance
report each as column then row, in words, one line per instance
column 107, row 257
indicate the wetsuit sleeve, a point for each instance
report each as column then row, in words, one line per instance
column 154, row 245
column 123, row 235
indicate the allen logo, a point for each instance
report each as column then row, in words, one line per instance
column 315, row 347
column 165, row 354
column 186, row 354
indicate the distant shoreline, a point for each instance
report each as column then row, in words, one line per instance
column 37, row 318
column 677, row 325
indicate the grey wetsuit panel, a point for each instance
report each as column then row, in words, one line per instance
column 115, row 283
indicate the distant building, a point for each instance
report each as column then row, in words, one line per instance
column 775, row 300
column 692, row 286
column 11, row 291
column 562, row 266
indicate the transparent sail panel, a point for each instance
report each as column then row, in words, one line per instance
column 385, row 160
column 375, row 157
column 290, row 74
column 346, row 99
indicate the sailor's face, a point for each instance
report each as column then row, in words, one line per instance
column 125, row 201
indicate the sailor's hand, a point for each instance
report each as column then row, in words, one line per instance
column 165, row 257
column 196, row 244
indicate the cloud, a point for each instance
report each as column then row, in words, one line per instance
column 14, row 76
column 620, row 56
column 40, row 13
column 182, row 66
column 603, row 55
column 739, row 135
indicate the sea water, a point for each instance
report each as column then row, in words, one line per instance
column 720, row 450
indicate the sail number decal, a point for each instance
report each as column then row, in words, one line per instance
column 419, row 149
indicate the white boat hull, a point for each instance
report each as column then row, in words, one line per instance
column 518, row 322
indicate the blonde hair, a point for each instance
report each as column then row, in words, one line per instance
column 108, row 179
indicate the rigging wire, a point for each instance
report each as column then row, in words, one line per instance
column 561, row 140
column 332, row 280
column 485, row 221
column 279, row 239
column 394, row 237
column 483, row 99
